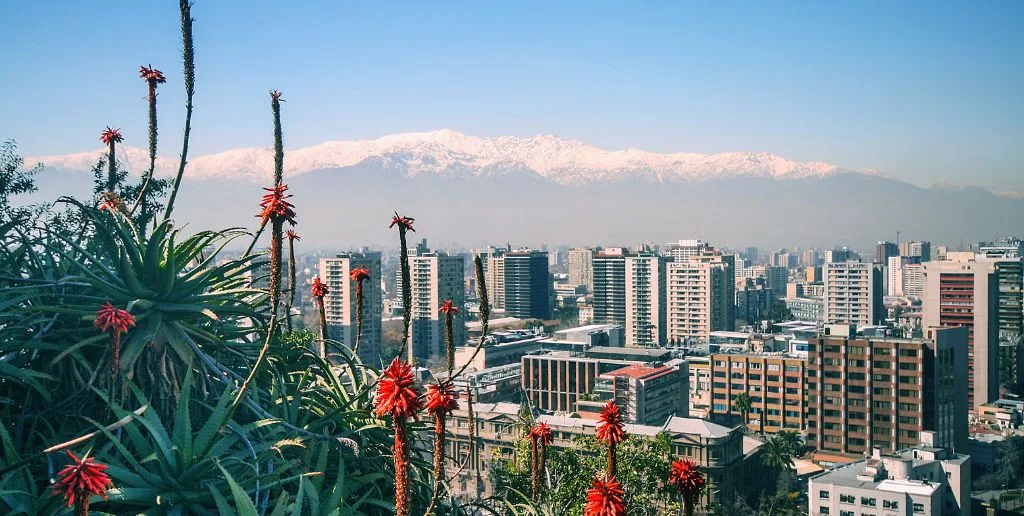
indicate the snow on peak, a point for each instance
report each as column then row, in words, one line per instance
column 444, row 151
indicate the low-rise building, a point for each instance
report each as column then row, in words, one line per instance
column 720, row 451
column 919, row 481
column 647, row 394
column 806, row 308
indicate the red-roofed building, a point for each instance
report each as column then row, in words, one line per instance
column 646, row 394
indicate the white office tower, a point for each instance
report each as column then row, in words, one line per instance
column 436, row 277
column 850, row 293
column 340, row 302
column 645, row 300
column 696, row 306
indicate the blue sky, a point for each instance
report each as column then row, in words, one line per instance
column 922, row 91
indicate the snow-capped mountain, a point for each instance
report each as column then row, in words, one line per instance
column 560, row 160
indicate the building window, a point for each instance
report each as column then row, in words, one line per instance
column 823, row 510
column 823, row 495
column 870, row 502
column 846, row 513
column 886, row 504
column 918, row 508
column 847, row 498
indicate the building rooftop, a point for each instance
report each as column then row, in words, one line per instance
column 862, row 473
column 639, row 371
column 589, row 327
column 650, row 353
column 701, row 427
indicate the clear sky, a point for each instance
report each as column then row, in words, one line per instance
column 924, row 91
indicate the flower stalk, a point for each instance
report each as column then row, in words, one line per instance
column 540, row 438
column 318, row 291
column 686, row 477
column 611, row 431
column 116, row 321
column 292, row 237
column 449, row 310
column 359, row 275
column 398, row 397
column 153, row 77
column 111, row 136
column 189, row 66
column 441, row 401
column 404, row 225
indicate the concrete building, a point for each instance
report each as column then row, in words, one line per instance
column 852, row 293
column 647, row 394
column 813, row 275
column 1008, row 258
column 775, row 383
column 556, row 380
column 839, row 255
column 645, row 300
column 884, row 251
column 913, row 280
column 340, row 302
column 921, row 481
column 806, row 309
column 581, row 267
column 683, row 250
column 895, row 277
column 776, row 279
column 721, row 452
column 492, row 385
column 699, row 368
column 917, row 249
column 727, row 290
column 528, row 284
column 870, row 392
column 610, row 286
column 964, row 292
column 696, row 305
column 753, row 302
column 436, row 277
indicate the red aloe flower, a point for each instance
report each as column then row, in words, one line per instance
column 116, row 321
column 397, row 394
column 448, row 308
column 402, row 222
column 686, row 477
column 441, row 398
column 152, row 75
column 319, row 288
column 108, row 205
column 611, row 431
column 359, row 274
column 540, row 438
column 276, row 207
column 111, row 135
column 604, row 498
column 292, row 235
column 276, row 95
column 80, row 480
column 542, row 433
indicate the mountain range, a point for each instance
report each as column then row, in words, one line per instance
column 556, row 190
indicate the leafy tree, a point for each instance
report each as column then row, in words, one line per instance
column 14, row 180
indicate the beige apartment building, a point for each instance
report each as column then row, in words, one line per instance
column 645, row 300
column 340, row 302
column 775, row 383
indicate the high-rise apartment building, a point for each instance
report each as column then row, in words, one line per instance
column 340, row 302
column 776, row 279
column 436, row 277
column 610, row 286
column 528, row 284
column 581, row 267
column 917, row 249
column 813, row 274
column 896, row 275
column 683, row 250
column 494, row 274
column 727, row 289
column 696, row 300
column 962, row 291
column 645, row 300
column 839, row 255
column 884, row 251
column 913, row 280
column 774, row 382
column 1007, row 254
column 865, row 392
column 852, row 293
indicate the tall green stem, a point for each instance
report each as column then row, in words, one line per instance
column 188, row 57
column 403, row 261
column 291, row 281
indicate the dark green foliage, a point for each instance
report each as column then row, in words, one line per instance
column 14, row 180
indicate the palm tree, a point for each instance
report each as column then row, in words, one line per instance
column 742, row 402
column 792, row 441
column 777, row 454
